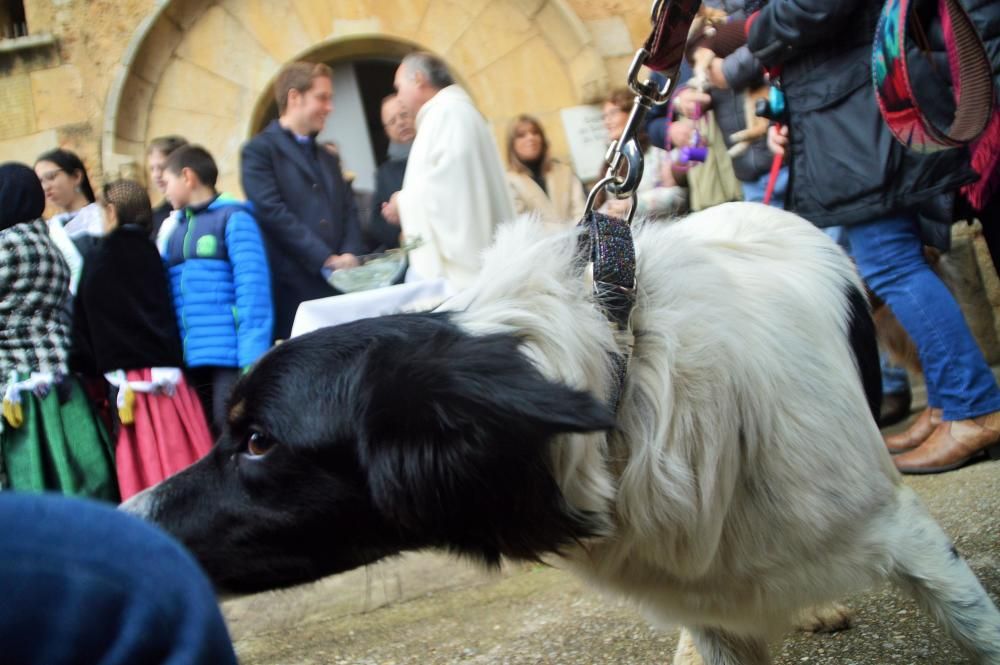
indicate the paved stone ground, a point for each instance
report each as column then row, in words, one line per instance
column 431, row 609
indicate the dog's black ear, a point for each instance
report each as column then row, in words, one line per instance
column 455, row 441
column 454, row 382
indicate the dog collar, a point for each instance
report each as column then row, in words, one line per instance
column 608, row 246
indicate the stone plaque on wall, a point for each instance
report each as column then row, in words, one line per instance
column 588, row 140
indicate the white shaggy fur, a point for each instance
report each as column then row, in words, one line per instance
column 747, row 479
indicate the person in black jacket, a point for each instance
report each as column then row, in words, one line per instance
column 398, row 123
column 305, row 210
column 846, row 169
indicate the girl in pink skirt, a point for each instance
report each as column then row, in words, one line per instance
column 124, row 329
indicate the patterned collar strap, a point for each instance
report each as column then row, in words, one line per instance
column 972, row 83
column 608, row 246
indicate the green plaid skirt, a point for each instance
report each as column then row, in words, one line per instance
column 61, row 447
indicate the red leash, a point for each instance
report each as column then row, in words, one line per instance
column 773, row 178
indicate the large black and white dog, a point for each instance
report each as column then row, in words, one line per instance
column 742, row 479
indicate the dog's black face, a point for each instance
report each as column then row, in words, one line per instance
column 360, row 441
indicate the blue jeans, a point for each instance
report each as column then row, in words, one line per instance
column 890, row 258
column 84, row 583
column 894, row 378
column 754, row 190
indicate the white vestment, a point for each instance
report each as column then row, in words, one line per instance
column 454, row 192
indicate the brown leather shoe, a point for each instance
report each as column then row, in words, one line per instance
column 917, row 433
column 954, row 444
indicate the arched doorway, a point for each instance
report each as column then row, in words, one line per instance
column 202, row 69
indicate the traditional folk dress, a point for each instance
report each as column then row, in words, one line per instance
column 454, row 192
column 124, row 329
column 50, row 437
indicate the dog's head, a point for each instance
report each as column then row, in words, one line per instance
column 360, row 441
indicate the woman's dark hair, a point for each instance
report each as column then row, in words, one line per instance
column 70, row 163
column 131, row 203
column 513, row 161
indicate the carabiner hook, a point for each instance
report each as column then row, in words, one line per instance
column 622, row 187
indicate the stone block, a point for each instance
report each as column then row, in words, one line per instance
column 223, row 46
column 966, row 282
column 26, row 148
column 563, row 29
column 272, row 25
column 532, row 78
column 594, row 9
column 185, row 87
column 493, row 34
column 350, row 27
column 611, row 37
column 590, row 76
column 400, row 18
column 18, row 117
column 58, row 97
column 617, row 69
column 317, row 16
column 185, row 13
column 133, row 109
column 988, row 273
column 445, row 21
column 529, row 7
column 156, row 50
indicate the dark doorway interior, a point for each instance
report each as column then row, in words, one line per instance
column 13, row 22
column 375, row 79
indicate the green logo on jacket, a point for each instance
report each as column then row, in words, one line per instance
column 206, row 246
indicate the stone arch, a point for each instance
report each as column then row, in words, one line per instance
column 201, row 68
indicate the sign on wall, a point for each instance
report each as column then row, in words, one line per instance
column 588, row 140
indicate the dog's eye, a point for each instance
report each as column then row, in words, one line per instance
column 258, row 444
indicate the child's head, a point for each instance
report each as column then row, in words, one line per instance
column 188, row 173
column 159, row 149
column 126, row 202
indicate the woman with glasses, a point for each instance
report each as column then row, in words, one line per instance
column 80, row 220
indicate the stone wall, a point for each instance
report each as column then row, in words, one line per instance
column 114, row 73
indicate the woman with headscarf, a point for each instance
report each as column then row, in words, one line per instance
column 125, row 330
column 50, row 438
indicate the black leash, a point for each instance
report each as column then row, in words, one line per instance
column 608, row 243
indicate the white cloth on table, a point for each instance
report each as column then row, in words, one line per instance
column 411, row 297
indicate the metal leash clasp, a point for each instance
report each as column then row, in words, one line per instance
column 626, row 149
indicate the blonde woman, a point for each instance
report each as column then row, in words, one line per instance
column 539, row 183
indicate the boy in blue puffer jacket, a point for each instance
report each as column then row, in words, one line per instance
column 219, row 278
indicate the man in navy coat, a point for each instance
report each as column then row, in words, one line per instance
column 305, row 209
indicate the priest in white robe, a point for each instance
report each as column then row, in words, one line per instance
column 454, row 193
